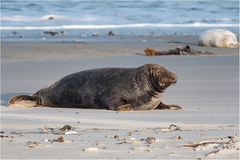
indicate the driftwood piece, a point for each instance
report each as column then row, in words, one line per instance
column 177, row 51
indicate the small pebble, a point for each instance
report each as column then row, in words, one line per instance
column 179, row 137
column 132, row 139
column 50, row 18
column 150, row 140
column 116, row 136
column 60, row 139
column 129, row 133
column 111, row 33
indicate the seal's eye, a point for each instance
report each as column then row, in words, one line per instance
column 159, row 71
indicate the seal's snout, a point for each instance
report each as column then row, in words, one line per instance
column 174, row 78
column 174, row 81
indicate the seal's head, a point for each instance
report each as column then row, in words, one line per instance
column 159, row 77
column 229, row 41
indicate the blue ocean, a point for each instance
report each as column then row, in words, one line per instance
column 125, row 16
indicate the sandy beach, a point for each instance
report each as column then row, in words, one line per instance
column 207, row 89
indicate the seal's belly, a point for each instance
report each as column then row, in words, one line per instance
column 152, row 104
column 148, row 106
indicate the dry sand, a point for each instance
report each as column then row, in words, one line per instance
column 207, row 90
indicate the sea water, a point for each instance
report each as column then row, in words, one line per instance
column 25, row 18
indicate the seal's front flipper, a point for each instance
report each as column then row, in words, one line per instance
column 118, row 104
column 126, row 107
column 24, row 101
column 165, row 106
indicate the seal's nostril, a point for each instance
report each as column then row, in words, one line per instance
column 174, row 80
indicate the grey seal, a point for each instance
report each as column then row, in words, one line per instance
column 120, row 89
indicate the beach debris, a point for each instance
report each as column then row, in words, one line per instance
column 179, row 137
column 122, row 141
column 141, row 148
column 71, row 133
column 51, row 33
column 177, row 51
column 172, row 127
column 91, row 149
column 204, row 143
column 219, row 145
column 59, row 140
column 172, row 154
column 95, row 129
column 129, row 133
column 2, row 136
column 112, row 136
column 95, row 34
column 47, row 130
column 50, row 18
column 66, row 128
column 132, row 139
column 31, row 144
column 111, row 33
column 150, row 140
column 17, row 34
column 18, row 133
column 116, row 137
column 62, row 32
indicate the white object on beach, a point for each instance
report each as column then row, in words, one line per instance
column 218, row 38
column 71, row 132
column 91, row 149
column 132, row 139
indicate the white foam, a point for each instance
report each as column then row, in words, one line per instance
column 110, row 26
column 32, row 19
column 16, row 19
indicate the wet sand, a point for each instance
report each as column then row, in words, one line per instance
column 13, row 51
column 207, row 89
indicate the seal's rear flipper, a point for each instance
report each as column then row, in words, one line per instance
column 170, row 107
column 124, row 108
column 24, row 101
